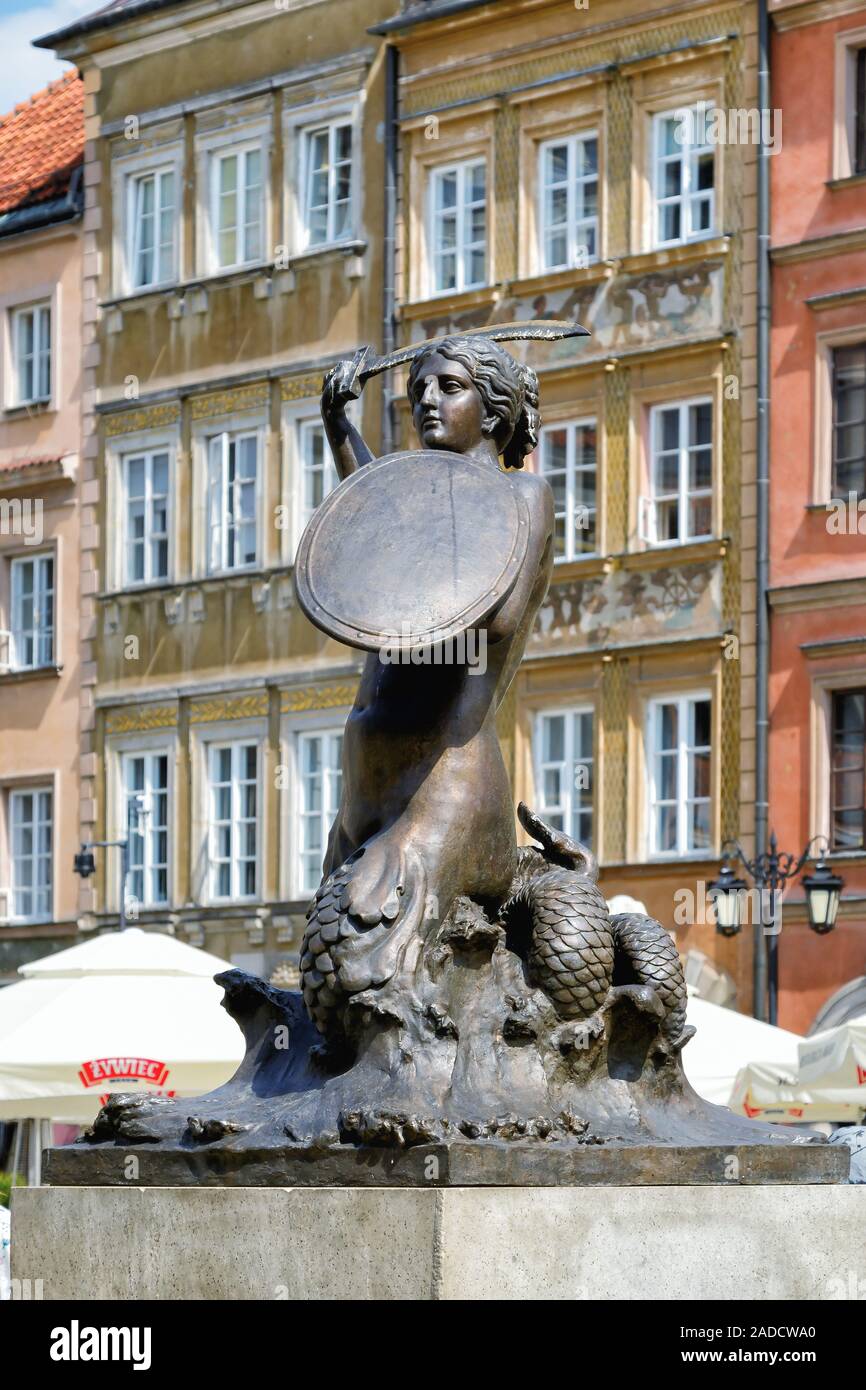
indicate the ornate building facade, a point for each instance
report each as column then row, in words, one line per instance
column 596, row 163
column 268, row 186
column 233, row 250
column 818, row 488
column 41, row 147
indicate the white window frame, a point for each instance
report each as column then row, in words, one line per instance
column 330, row 800
column 684, row 794
column 134, row 181
column 847, row 43
column 41, row 591
column 128, row 163
column 241, row 150
column 145, row 832
column 148, row 454
column 462, row 248
column 298, row 419
column 572, row 468
column 224, row 439
column 306, row 135
column 212, row 749
column 689, row 194
column 573, row 224
column 305, row 428
column 566, row 767
column 40, row 354
column 13, row 795
column 648, row 504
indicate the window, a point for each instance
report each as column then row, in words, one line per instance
column 320, row 785
column 849, row 420
column 30, row 853
column 458, row 227
column 233, row 820
column 31, row 348
column 568, row 462
column 32, row 612
column 232, row 478
column 145, row 486
column 680, row 504
column 683, row 176
column 848, row 770
column 151, row 242
column 318, row 476
column 237, row 210
column 145, row 776
column 564, row 771
column 568, row 187
column 678, row 744
column 327, row 200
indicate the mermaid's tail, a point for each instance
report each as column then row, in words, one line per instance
column 647, row 955
column 342, row 955
column 576, row 951
column 571, row 947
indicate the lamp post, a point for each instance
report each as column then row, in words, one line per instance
column 84, row 863
column 770, row 872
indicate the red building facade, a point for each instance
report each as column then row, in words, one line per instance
column 817, row 529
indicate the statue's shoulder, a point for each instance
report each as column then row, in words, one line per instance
column 535, row 490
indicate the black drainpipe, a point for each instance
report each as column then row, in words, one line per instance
column 762, row 661
column 389, row 269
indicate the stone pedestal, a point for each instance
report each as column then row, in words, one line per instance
column 725, row 1241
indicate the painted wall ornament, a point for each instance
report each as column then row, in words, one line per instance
column 470, row 1011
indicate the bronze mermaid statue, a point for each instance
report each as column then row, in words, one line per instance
column 426, row 813
column 455, row 987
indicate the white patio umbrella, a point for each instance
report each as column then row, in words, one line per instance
column 126, row 1011
column 763, row 1091
column 725, row 1043
column 834, row 1064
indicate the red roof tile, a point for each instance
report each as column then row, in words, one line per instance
column 41, row 143
column 13, row 465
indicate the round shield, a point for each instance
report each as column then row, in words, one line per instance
column 411, row 550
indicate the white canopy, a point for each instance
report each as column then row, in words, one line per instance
column 125, row 1011
column 826, row 1081
column 725, row 1042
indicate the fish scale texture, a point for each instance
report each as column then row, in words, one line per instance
column 571, row 952
column 327, row 926
column 654, row 958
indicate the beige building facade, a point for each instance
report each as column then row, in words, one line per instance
column 269, row 186
column 565, row 161
column 235, row 172
column 40, row 439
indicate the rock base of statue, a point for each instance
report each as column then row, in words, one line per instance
column 726, row 1242
column 460, row 1075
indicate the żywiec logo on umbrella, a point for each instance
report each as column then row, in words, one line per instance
column 108, row 1069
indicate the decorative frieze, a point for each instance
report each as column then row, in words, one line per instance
column 140, row 718
column 301, row 698
column 301, row 387
column 254, row 396
column 209, row 711
column 150, row 417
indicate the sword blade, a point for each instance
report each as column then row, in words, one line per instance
column 546, row 330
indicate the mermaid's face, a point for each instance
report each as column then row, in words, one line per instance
column 447, row 409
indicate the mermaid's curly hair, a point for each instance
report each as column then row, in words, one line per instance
column 508, row 389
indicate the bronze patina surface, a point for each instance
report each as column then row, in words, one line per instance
column 419, row 594
column 464, row 1001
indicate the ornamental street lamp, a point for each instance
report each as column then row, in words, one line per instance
column 770, row 872
column 84, row 863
